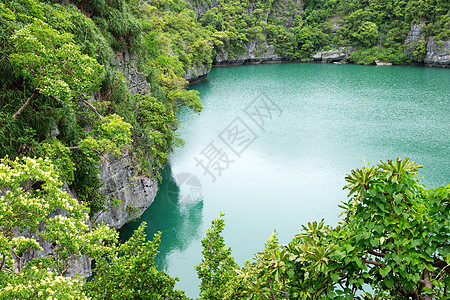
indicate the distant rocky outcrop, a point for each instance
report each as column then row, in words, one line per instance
column 334, row 55
column 438, row 54
column 197, row 74
column 257, row 51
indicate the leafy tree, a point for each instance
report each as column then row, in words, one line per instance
column 369, row 56
column 394, row 237
column 217, row 267
column 156, row 124
column 31, row 193
column 128, row 272
column 400, row 229
column 54, row 64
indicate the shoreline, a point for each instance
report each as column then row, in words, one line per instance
column 231, row 63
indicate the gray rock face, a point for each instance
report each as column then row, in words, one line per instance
column 257, row 51
column 128, row 195
column 415, row 34
column 438, row 54
column 333, row 55
column 80, row 266
column 127, row 64
column 196, row 74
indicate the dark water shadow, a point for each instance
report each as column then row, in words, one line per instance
column 177, row 216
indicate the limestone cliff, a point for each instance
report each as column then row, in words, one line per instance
column 197, row 74
column 438, row 54
column 128, row 194
column 127, row 64
column 257, row 51
column 335, row 55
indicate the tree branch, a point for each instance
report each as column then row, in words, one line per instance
column 376, row 253
column 285, row 291
column 35, row 92
column 321, row 291
column 11, row 271
column 439, row 277
column 3, row 262
column 93, row 108
column 270, row 291
column 68, row 262
column 428, row 284
column 375, row 263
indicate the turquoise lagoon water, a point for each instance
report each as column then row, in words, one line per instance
column 279, row 140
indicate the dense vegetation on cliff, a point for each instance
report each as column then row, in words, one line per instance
column 299, row 29
column 67, row 101
column 62, row 97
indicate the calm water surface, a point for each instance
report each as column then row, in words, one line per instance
column 314, row 124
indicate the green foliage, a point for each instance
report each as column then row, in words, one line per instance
column 32, row 191
column 371, row 55
column 281, row 37
column 155, row 128
column 56, row 68
column 115, row 20
column 360, row 29
column 309, row 40
column 399, row 229
column 54, row 63
column 109, row 137
column 31, row 194
column 217, row 267
column 37, row 282
column 440, row 29
column 61, row 157
column 393, row 237
column 418, row 50
column 128, row 272
column 174, row 42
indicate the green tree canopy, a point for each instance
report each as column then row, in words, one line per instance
column 394, row 237
column 54, row 64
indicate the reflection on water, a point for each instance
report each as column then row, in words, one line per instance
column 177, row 212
